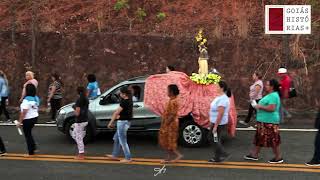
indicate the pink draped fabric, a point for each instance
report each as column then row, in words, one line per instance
column 194, row 98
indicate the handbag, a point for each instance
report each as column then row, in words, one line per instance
column 292, row 91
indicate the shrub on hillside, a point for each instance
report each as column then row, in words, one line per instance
column 141, row 14
column 121, row 4
column 161, row 16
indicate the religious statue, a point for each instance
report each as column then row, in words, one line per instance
column 204, row 77
column 203, row 60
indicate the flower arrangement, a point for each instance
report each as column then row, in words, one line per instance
column 201, row 40
column 205, row 79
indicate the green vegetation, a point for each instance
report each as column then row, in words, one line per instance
column 121, row 4
column 161, row 16
column 141, row 14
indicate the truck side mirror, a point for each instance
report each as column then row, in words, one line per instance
column 104, row 100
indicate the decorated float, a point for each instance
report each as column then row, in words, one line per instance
column 196, row 91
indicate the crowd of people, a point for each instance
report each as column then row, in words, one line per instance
column 270, row 110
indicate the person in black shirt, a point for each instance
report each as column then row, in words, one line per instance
column 81, row 112
column 2, row 148
column 315, row 161
column 123, row 115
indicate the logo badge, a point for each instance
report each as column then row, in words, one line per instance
column 288, row 19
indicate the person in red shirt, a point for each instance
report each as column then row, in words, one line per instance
column 285, row 84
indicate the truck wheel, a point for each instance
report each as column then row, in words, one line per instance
column 70, row 128
column 192, row 135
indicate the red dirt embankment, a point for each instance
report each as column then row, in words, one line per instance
column 78, row 37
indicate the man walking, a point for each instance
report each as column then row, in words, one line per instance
column 285, row 84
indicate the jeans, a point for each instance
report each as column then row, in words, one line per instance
column 316, row 155
column 283, row 112
column 2, row 147
column 79, row 132
column 3, row 107
column 28, row 124
column 55, row 106
column 218, row 147
column 120, row 139
column 250, row 112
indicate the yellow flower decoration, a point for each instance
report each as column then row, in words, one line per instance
column 200, row 38
column 205, row 79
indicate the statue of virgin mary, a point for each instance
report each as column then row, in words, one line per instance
column 203, row 60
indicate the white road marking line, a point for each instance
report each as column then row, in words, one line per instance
column 41, row 125
column 284, row 129
column 239, row 129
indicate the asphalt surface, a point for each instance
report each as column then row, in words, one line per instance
column 55, row 160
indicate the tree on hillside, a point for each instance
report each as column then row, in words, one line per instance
column 123, row 5
column 34, row 5
column 12, row 5
column 13, row 18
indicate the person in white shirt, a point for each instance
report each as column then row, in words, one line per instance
column 255, row 94
column 135, row 90
column 29, row 116
column 219, row 113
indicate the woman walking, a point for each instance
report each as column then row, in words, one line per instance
column 54, row 96
column 169, row 130
column 30, row 80
column 255, row 94
column 4, row 94
column 123, row 115
column 93, row 89
column 29, row 116
column 268, row 119
column 219, row 111
column 81, row 112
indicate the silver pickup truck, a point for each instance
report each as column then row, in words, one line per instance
column 102, row 107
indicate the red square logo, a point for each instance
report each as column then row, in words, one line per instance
column 276, row 19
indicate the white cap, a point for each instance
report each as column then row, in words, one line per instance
column 282, row 71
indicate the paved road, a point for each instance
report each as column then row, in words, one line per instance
column 56, row 159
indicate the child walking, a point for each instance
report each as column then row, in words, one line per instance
column 81, row 112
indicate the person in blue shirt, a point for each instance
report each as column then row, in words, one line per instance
column 93, row 89
column 4, row 93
